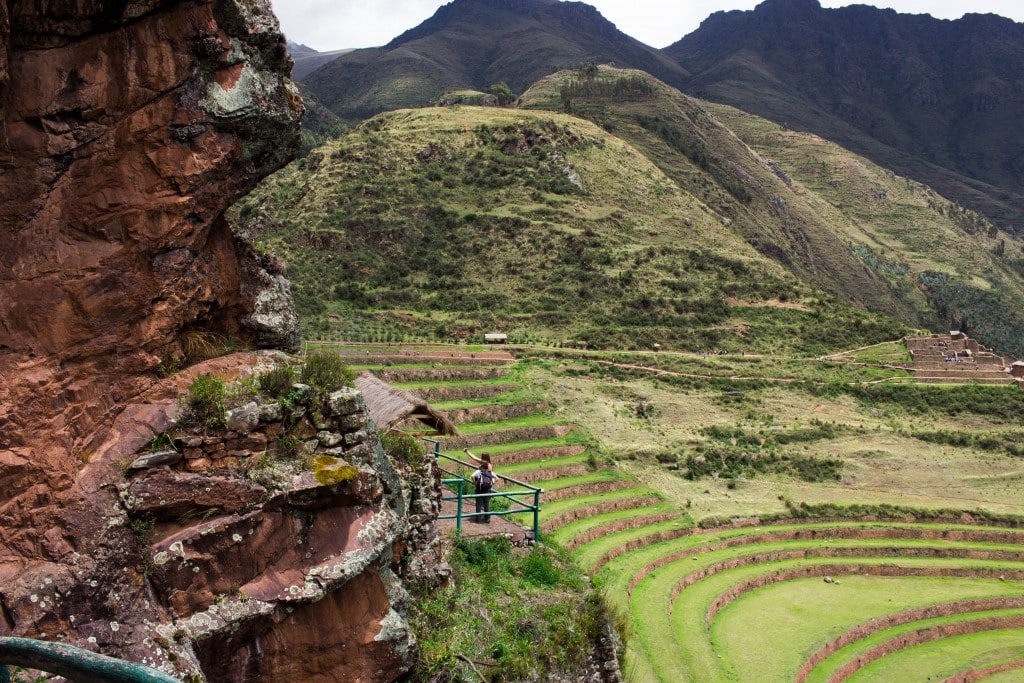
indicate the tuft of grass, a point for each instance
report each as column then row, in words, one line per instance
column 404, row 448
column 200, row 345
column 205, row 401
column 522, row 613
column 276, row 382
column 326, row 372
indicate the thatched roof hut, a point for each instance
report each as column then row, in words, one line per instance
column 390, row 407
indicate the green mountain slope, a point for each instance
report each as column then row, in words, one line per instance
column 476, row 43
column 446, row 223
column 936, row 100
column 833, row 218
column 663, row 225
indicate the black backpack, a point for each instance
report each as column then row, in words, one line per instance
column 486, row 481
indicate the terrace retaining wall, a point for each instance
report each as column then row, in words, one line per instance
column 925, row 635
column 531, row 454
column 869, row 628
column 597, row 509
column 823, row 570
column 617, row 526
column 834, row 533
column 981, row 674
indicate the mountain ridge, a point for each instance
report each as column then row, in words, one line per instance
column 936, row 98
column 464, row 45
column 887, row 85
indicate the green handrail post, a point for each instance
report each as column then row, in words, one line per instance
column 536, row 516
column 458, row 512
column 74, row 663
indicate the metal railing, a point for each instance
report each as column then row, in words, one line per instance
column 462, row 485
column 73, row 663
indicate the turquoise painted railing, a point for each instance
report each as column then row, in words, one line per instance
column 461, row 484
column 73, row 663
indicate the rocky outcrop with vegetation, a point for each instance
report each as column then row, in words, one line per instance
column 268, row 508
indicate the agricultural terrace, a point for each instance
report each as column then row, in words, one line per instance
column 761, row 518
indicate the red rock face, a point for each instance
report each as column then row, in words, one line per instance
column 126, row 130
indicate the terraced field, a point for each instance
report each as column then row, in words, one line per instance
column 798, row 601
column 812, row 599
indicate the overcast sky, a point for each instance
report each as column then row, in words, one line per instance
column 335, row 24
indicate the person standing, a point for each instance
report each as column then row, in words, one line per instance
column 484, row 482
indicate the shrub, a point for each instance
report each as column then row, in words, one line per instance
column 539, row 570
column 403, row 447
column 206, row 401
column 326, row 372
column 276, row 382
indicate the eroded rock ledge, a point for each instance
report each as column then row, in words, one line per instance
column 268, row 569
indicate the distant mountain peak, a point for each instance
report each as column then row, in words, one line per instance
column 773, row 5
column 458, row 10
column 299, row 49
column 472, row 44
column 939, row 100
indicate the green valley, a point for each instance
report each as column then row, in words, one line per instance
column 718, row 373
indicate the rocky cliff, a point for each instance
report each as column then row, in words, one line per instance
column 126, row 129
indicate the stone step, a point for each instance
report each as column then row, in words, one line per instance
column 597, row 509
column 544, row 453
column 578, row 490
column 557, row 472
column 617, row 526
column 503, row 436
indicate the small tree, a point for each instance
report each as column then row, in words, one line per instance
column 502, row 92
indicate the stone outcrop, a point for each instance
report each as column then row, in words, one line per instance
column 290, row 519
column 126, row 130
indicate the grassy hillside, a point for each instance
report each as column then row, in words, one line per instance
column 448, row 223
column 833, row 218
column 641, row 217
column 956, row 267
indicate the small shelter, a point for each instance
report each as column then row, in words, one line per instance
column 496, row 338
column 391, row 407
column 1017, row 369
